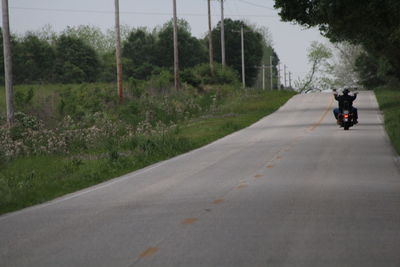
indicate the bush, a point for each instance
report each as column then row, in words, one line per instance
column 161, row 83
column 135, row 88
column 23, row 99
column 222, row 75
column 188, row 76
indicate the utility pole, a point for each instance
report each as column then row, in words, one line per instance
column 263, row 77
column 243, row 69
column 8, row 64
column 284, row 74
column 176, row 56
column 270, row 71
column 279, row 76
column 290, row 80
column 210, row 47
column 118, row 53
column 222, row 35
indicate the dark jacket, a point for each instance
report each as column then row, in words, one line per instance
column 343, row 98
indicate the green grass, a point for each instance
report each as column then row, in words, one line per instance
column 27, row 181
column 235, row 115
column 45, row 100
column 389, row 103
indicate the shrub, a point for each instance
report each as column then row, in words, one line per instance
column 161, row 83
column 23, row 99
column 201, row 74
column 188, row 76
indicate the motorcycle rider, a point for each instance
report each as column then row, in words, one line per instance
column 341, row 99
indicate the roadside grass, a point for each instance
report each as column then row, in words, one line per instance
column 44, row 100
column 235, row 115
column 26, row 181
column 389, row 103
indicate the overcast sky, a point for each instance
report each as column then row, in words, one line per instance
column 290, row 41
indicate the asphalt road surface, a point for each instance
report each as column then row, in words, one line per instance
column 293, row 189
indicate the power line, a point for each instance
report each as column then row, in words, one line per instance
column 134, row 12
column 256, row 5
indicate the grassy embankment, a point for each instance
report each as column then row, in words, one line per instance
column 26, row 180
column 389, row 103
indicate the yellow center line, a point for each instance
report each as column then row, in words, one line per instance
column 315, row 125
column 242, row 186
column 148, row 252
column 189, row 221
column 218, row 201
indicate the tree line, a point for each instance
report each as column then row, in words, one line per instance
column 372, row 24
column 86, row 54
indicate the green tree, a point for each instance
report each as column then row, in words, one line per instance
column 76, row 61
column 268, row 51
column 92, row 36
column 253, row 48
column 343, row 65
column 139, row 52
column 372, row 23
column 318, row 54
column 33, row 60
column 367, row 67
column 191, row 50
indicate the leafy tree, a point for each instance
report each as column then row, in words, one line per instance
column 108, row 69
column 372, row 23
column 46, row 33
column 76, row 61
column 191, row 50
column 343, row 65
column 367, row 67
column 253, row 47
column 33, row 60
column 92, row 36
column 318, row 54
column 139, row 52
column 268, row 51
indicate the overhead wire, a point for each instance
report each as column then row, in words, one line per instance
column 132, row 12
column 256, row 5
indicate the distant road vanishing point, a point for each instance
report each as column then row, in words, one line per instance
column 293, row 189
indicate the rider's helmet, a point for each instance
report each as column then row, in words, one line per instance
column 346, row 91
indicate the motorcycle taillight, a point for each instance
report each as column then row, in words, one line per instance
column 346, row 115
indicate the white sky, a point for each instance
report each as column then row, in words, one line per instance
column 290, row 41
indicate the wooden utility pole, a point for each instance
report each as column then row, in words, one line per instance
column 8, row 64
column 222, row 35
column 263, row 77
column 270, row 71
column 210, row 46
column 243, row 68
column 118, row 53
column 279, row 76
column 284, row 74
column 290, row 80
column 176, row 55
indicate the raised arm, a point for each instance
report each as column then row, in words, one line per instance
column 335, row 94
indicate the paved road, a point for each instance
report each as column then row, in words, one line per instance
column 291, row 190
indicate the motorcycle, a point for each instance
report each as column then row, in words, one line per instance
column 346, row 117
